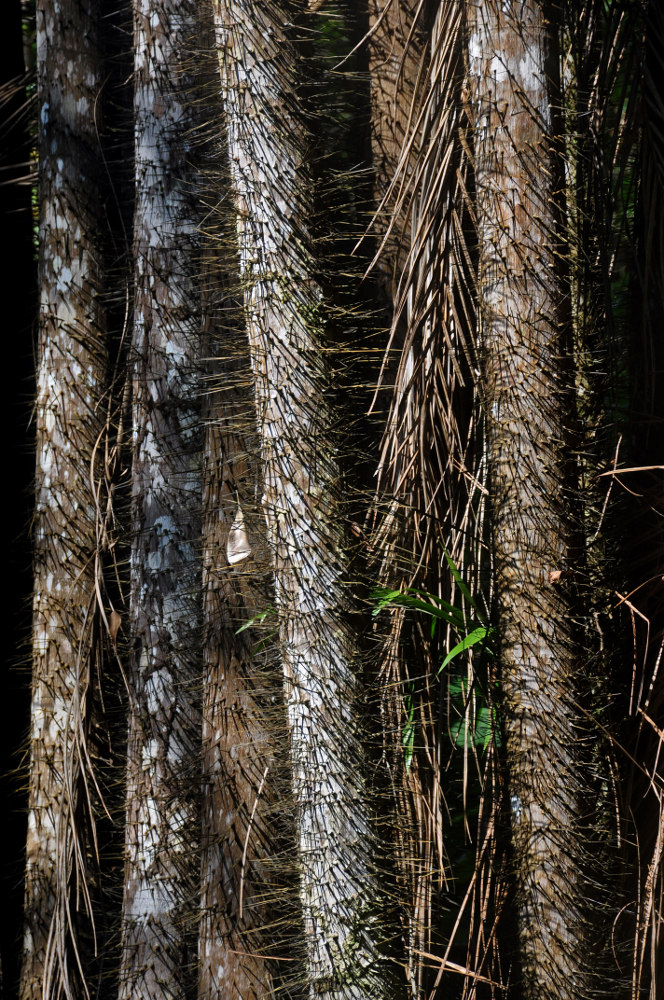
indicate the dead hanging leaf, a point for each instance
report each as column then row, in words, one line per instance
column 238, row 547
column 558, row 575
column 114, row 623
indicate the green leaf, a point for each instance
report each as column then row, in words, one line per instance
column 470, row 640
column 458, row 687
column 383, row 598
column 462, row 585
column 408, row 743
column 408, row 733
column 434, row 599
column 257, row 619
column 407, row 599
column 483, row 728
column 478, row 734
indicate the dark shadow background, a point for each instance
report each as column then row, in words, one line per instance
column 18, row 294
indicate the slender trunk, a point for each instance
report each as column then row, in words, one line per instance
column 340, row 899
column 239, row 839
column 71, row 373
column 522, row 302
column 159, row 907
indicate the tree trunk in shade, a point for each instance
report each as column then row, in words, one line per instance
column 430, row 469
column 240, row 904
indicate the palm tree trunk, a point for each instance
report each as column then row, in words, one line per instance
column 239, row 836
column 159, row 908
column 339, row 894
column 70, row 386
column 524, row 332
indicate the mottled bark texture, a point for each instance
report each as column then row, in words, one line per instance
column 70, row 380
column 160, row 899
column 522, row 302
column 241, row 694
column 339, row 894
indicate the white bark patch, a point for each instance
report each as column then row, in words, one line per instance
column 150, row 901
column 499, row 69
column 530, row 72
column 475, row 49
column 159, row 690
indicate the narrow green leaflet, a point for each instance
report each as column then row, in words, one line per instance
column 462, row 585
column 470, row 630
column 477, row 635
column 257, row 619
column 407, row 599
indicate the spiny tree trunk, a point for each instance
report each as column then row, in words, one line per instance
column 521, row 294
column 237, row 756
column 159, row 907
column 70, row 381
column 239, row 839
column 339, row 894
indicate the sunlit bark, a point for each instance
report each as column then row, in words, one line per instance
column 522, row 301
column 159, row 908
column 339, row 895
column 70, row 379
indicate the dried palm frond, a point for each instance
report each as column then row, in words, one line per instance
column 430, row 495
